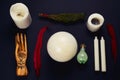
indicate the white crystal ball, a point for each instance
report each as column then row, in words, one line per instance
column 62, row 46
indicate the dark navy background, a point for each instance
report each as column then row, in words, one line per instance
column 50, row 69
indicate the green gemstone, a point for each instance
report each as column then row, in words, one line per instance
column 82, row 57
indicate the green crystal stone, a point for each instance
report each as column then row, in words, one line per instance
column 82, row 57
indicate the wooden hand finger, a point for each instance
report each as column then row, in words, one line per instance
column 22, row 43
column 25, row 42
column 16, row 45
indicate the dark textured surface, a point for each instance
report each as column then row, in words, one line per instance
column 52, row 70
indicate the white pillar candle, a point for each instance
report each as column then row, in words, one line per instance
column 103, row 55
column 20, row 15
column 96, row 54
column 94, row 22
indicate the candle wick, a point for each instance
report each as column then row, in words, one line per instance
column 19, row 14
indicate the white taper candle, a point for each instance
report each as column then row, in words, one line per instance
column 20, row 15
column 103, row 55
column 96, row 54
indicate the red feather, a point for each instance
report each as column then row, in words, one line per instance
column 113, row 41
column 37, row 51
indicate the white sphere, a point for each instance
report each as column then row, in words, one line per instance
column 62, row 46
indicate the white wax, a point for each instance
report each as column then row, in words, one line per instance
column 96, row 54
column 95, row 27
column 103, row 55
column 20, row 15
